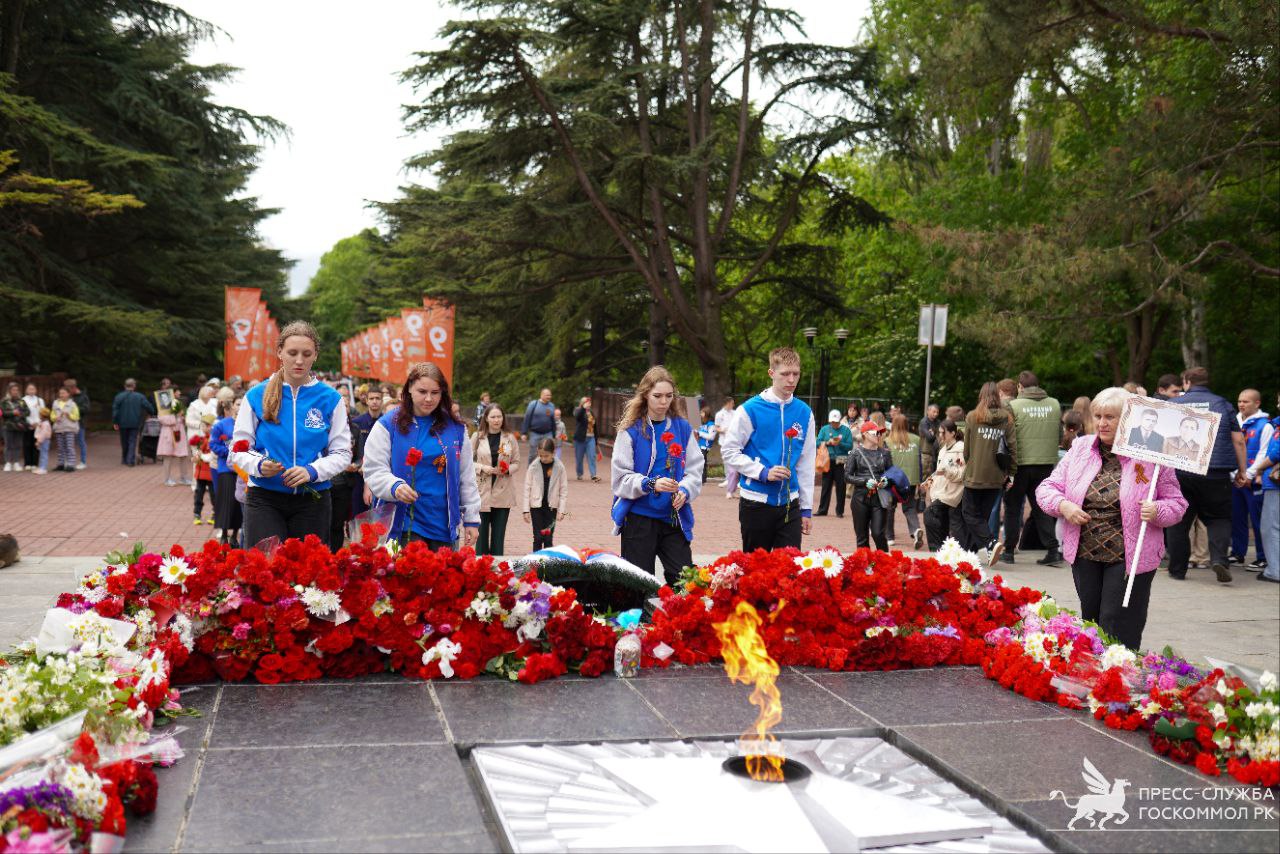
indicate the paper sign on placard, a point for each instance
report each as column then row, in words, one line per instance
column 1167, row 433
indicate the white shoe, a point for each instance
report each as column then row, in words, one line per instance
column 8, row 466
column 81, row 467
column 170, row 483
column 891, row 542
column 41, row 471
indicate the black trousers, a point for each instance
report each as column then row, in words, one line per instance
column 1209, row 499
column 30, row 453
column 868, row 519
column 128, row 445
column 544, row 519
column 942, row 521
column 339, row 513
column 493, row 531
column 1100, row 587
column 976, row 508
column 645, row 539
column 1024, row 488
column 282, row 514
column 832, row 478
column 767, row 527
column 203, row 487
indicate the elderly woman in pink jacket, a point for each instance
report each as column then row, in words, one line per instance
column 1101, row 498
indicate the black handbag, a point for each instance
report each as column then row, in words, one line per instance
column 1004, row 459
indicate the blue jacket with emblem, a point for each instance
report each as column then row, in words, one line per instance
column 310, row 430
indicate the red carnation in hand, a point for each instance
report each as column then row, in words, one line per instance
column 675, row 451
column 668, row 437
column 241, row 446
column 503, row 467
column 791, row 433
column 412, row 457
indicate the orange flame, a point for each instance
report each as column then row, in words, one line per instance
column 746, row 660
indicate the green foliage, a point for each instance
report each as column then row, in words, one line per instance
column 129, row 220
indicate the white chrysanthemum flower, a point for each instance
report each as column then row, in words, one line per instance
column 1267, row 681
column 1117, row 655
column 805, row 561
column 86, row 789
column 176, row 570
column 186, row 631
column 321, row 603
column 153, row 669
column 481, row 609
column 92, row 595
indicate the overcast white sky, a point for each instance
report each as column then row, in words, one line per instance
column 329, row 71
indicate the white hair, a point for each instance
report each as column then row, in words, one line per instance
column 1110, row 400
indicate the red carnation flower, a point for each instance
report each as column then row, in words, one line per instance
column 675, row 451
column 792, row 433
column 668, row 437
column 503, row 467
column 240, row 447
column 412, row 457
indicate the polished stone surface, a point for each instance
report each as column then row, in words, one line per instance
column 381, row 763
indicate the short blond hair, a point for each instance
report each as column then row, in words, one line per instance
column 1109, row 400
column 783, row 356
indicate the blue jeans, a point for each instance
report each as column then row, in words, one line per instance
column 44, row 455
column 994, row 522
column 1271, row 530
column 82, row 445
column 585, row 448
column 128, row 445
column 534, row 439
column 1246, row 510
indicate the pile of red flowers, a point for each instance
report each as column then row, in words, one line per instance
column 303, row 612
column 867, row 611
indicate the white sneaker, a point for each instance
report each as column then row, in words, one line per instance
column 170, row 483
column 8, row 466
column 891, row 542
column 81, row 467
column 42, row 471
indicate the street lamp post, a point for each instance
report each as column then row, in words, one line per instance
column 824, row 367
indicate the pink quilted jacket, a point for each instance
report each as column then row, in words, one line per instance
column 1070, row 481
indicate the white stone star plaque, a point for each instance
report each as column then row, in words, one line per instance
column 694, row 805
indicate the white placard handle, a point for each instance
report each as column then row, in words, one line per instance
column 1142, row 535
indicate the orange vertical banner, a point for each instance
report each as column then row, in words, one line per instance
column 415, row 334
column 365, row 351
column 397, row 360
column 344, row 362
column 439, row 332
column 384, row 361
column 240, row 310
column 257, row 368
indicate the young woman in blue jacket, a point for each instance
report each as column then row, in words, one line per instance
column 417, row 455
column 656, row 475
column 227, row 515
column 291, row 437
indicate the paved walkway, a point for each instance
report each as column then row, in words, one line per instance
column 67, row 521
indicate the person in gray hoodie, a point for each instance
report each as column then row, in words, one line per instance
column 1037, row 420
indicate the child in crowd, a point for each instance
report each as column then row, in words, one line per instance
column 706, row 437
column 545, row 498
column 66, row 426
column 44, row 435
column 562, row 435
column 201, row 459
column 228, row 515
column 172, row 445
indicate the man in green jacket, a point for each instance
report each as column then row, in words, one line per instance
column 1037, row 418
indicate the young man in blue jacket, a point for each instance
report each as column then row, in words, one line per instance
column 771, row 444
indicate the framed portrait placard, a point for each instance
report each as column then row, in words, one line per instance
column 1166, row 433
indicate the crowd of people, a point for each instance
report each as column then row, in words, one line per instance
column 298, row 455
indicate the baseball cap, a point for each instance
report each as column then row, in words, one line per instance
column 870, row 426
column 834, row 415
